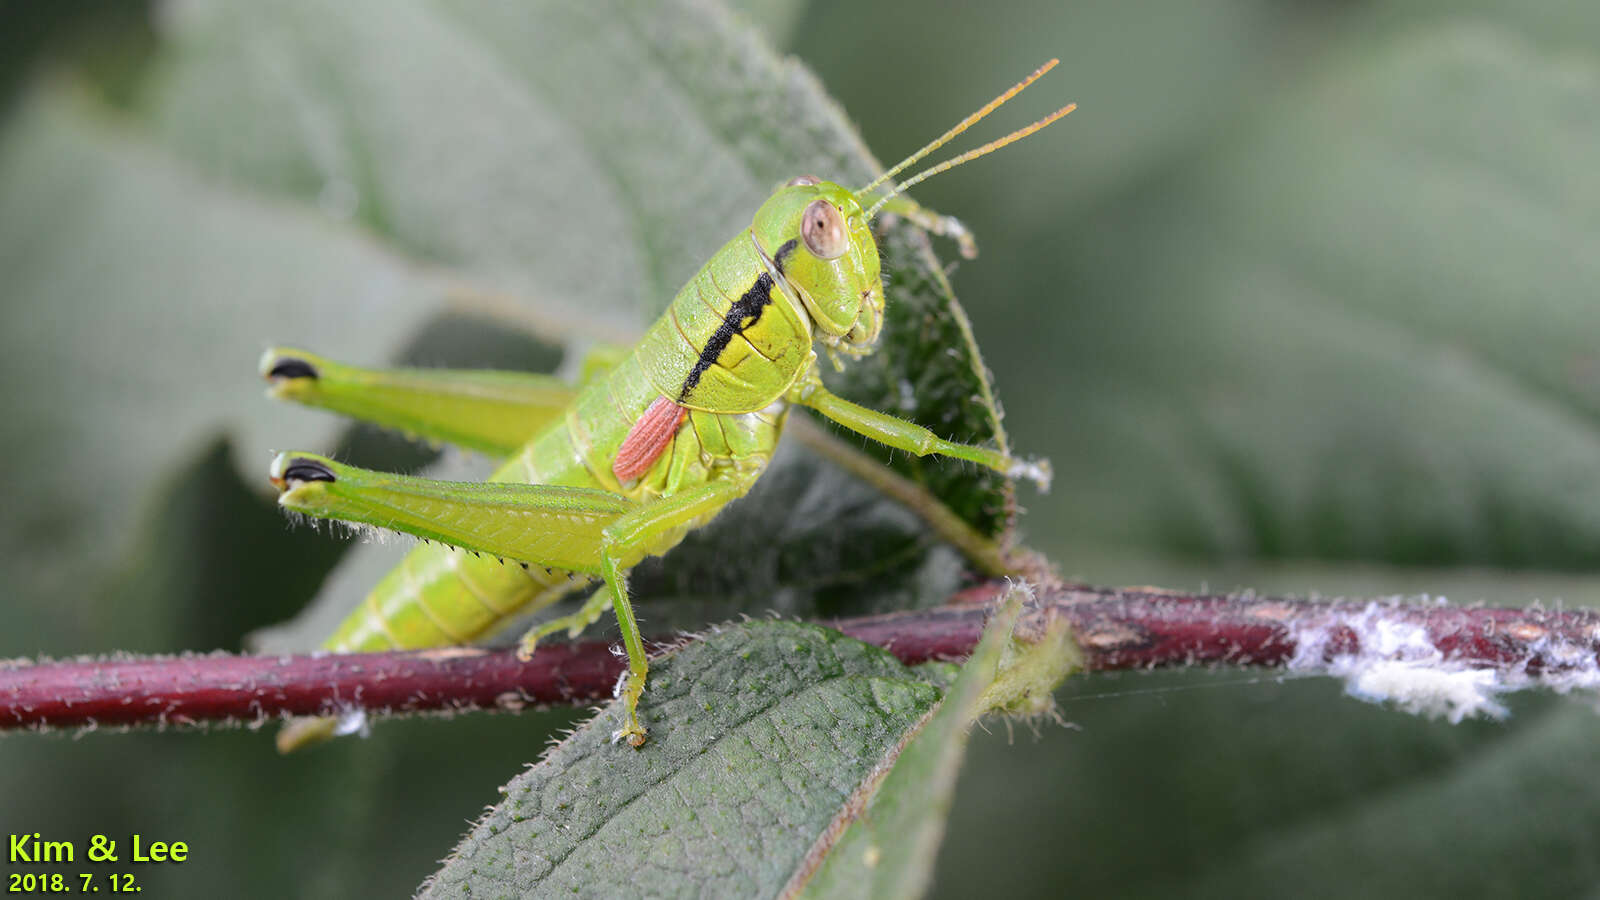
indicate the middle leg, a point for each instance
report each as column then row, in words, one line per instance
column 646, row 531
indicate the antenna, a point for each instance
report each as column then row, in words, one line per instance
column 969, row 156
column 961, row 126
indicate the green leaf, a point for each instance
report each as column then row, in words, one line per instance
column 1366, row 333
column 138, row 294
column 758, row 734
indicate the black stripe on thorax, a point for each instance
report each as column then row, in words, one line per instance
column 744, row 313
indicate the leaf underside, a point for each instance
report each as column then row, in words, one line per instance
column 758, row 734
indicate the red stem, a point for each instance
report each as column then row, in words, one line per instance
column 1116, row 629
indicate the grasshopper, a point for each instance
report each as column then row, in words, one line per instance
column 651, row 444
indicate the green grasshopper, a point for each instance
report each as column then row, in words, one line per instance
column 651, row 444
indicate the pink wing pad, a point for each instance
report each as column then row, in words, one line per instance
column 648, row 439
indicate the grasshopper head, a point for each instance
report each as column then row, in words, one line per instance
column 822, row 252
column 818, row 243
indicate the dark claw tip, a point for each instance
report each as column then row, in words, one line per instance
column 292, row 367
column 307, row 470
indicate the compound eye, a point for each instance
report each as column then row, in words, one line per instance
column 803, row 181
column 822, row 229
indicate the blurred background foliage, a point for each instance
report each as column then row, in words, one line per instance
column 1303, row 298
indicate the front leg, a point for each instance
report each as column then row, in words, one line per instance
column 911, row 437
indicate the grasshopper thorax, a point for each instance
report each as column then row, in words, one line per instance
column 819, row 246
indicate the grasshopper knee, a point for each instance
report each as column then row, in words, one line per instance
column 290, row 367
column 279, row 364
column 291, row 468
